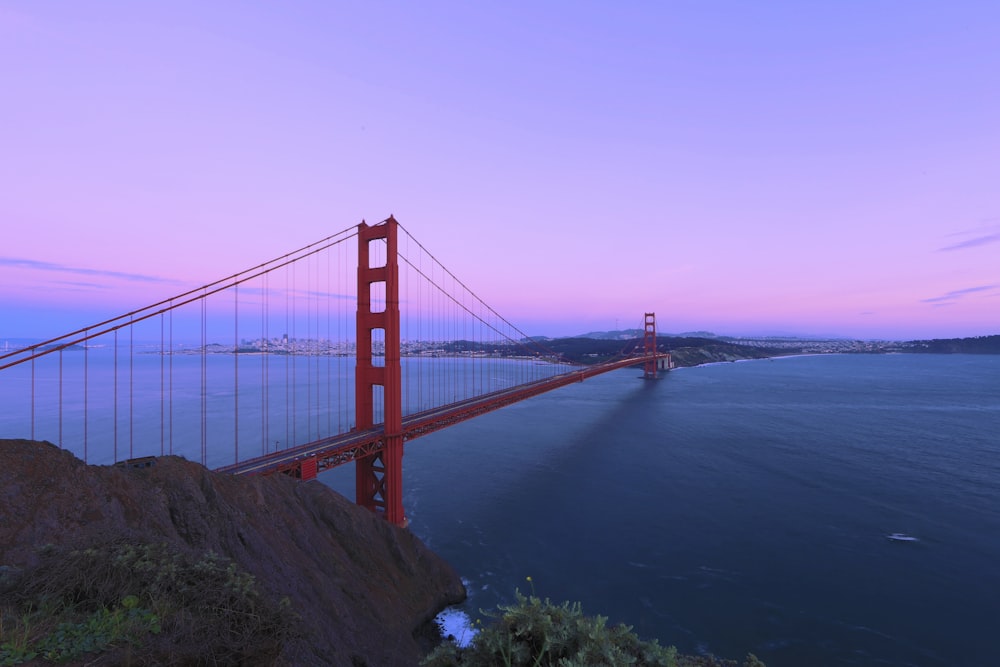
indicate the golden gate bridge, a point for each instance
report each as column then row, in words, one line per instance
column 330, row 364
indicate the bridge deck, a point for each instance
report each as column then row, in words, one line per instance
column 340, row 449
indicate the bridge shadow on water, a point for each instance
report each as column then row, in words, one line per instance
column 607, row 428
column 581, row 474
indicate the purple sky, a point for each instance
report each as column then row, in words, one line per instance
column 744, row 168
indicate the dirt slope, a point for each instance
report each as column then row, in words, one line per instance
column 361, row 586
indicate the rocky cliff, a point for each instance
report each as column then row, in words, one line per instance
column 361, row 589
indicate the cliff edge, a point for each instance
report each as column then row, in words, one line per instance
column 360, row 588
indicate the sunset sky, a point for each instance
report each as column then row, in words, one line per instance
column 810, row 168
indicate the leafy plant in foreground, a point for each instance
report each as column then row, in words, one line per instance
column 538, row 633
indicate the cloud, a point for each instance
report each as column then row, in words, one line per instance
column 277, row 292
column 988, row 234
column 951, row 297
column 60, row 268
column 972, row 243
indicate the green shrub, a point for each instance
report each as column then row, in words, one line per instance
column 80, row 601
column 536, row 633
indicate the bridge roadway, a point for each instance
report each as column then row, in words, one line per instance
column 340, row 449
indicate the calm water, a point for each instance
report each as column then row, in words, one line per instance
column 727, row 508
column 740, row 507
column 217, row 408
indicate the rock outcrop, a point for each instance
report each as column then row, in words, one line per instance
column 361, row 587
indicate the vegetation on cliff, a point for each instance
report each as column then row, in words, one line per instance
column 539, row 633
column 139, row 603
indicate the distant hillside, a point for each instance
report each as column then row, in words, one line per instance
column 627, row 334
column 622, row 334
column 977, row 345
column 690, row 351
column 686, row 351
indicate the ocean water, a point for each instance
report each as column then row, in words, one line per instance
column 740, row 507
column 726, row 508
column 218, row 409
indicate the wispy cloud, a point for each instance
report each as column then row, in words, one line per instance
column 972, row 243
column 276, row 292
column 953, row 296
column 61, row 268
column 79, row 284
column 982, row 236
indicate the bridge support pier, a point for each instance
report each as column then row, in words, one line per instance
column 379, row 477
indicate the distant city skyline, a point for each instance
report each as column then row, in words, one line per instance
column 776, row 169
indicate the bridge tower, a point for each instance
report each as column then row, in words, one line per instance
column 649, row 347
column 379, row 477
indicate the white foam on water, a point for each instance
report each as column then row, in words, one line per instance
column 455, row 623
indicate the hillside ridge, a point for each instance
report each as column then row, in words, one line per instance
column 362, row 589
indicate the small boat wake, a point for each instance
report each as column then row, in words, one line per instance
column 901, row 537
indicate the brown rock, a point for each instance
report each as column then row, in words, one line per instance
column 362, row 587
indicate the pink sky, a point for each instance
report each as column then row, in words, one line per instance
column 743, row 168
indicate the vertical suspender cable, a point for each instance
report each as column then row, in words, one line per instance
column 204, row 380
column 86, row 375
column 437, row 324
column 162, row 379
column 314, row 357
column 315, row 348
column 60, row 399
column 32, row 398
column 330, row 345
column 350, row 332
column 341, row 342
column 295, row 361
column 309, row 352
column 288, row 356
column 445, row 374
column 131, row 397
column 405, row 327
column 343, row 365
column 456, row 374
column 442, row 335
column 466, row 371
column 317, row 342
column 115, row 398
column 420, row 331
column 236, row 373
column 312, row 327
column 170, row 399
column 264, row 361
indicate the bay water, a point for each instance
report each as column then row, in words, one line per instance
column 729, row 508
column 739, row 507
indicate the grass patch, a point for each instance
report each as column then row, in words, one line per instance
column 149, row 599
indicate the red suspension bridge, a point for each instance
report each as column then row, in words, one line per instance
column 296, row 366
